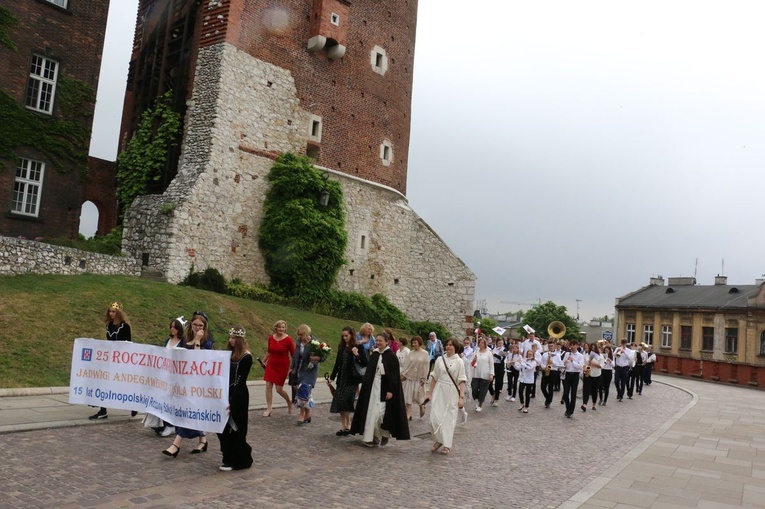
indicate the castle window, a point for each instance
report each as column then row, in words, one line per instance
column 379, row 60
column 26, row 187
column 334, row 18
column 363, row 243
column 386, row 152
column 41, row 87
column 60, row 3
column 314, row 128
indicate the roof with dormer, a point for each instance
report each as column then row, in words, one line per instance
column 691, row 297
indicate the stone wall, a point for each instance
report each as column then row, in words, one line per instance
column 20, row 256
column 245, row 112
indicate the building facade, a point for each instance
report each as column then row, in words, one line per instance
column 328, row 78
column 50, row 59
column 715, row 332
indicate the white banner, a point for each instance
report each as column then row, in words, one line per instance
column 499, row 330
column 187, row 388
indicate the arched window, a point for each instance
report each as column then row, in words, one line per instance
column 88, row 219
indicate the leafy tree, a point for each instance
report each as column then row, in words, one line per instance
column 541, row 316
column 487, row 324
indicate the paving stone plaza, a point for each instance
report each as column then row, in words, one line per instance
column 684, row 443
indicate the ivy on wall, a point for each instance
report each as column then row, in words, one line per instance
column 64, row 140
column 302, row 242
column 142, row 162
column 6, row 22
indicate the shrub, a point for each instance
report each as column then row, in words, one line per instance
column 211, row 279
column 389, row 315
column 302, row 242
column 237, row 288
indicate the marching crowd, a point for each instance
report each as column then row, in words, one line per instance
column 378, row 381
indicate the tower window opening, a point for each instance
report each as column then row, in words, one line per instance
column 334, row 18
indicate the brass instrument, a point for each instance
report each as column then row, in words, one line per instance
column 549, row 364
column 556, row 329
column 587, row 371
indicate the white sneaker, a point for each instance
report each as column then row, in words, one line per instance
column 169, row 430
column 477, row 409
column 512, row 399
column 464, row 415
column 509, row 398
column 495, row 404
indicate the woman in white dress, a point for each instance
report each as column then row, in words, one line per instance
column 447, row 395
column 414, row 372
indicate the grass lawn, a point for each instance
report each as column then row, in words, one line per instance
column 40, row 316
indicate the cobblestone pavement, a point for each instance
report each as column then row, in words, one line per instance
column 501, row 458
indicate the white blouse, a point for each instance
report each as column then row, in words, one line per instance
column 484, row 364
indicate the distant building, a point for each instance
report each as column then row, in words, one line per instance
column 715, row 332
column 49, row 71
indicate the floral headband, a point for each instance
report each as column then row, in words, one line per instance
column 236, row 332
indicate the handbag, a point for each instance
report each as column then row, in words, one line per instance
column 359, row 369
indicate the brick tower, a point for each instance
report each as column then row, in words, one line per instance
column 328, row 78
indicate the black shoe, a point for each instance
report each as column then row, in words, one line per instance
column 133, row 413
column 307, row 421
column 98, row 415
column 373, row 443
column 584, row 408
column 200, row 450
column 568, row 416
column 383, row 441
column 167, row 452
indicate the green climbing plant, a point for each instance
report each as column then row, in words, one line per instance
column 302, row 242
column 144, row 159
column 64, row 139
column 7, row 21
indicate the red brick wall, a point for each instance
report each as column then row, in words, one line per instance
column 359, row 108
column 75, row 38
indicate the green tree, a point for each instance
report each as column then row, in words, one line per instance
column 487, row 324
column 541, row 316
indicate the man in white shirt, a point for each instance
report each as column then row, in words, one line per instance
column 623, row 362
column 550, row 359
column 573, row 363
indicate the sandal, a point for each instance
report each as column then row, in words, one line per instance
column 267, row 413
column 289, row 409
column 422, row 411
column 445, row 450
column 436, row 446
column 202, row 447
column 167, row 452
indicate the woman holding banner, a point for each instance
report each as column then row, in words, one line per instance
column 117, row 329
column 197, row 338
column 237, row 453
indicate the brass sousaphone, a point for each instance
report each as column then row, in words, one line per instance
column 556, row 330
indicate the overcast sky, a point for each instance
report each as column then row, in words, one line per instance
column 571, row 150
